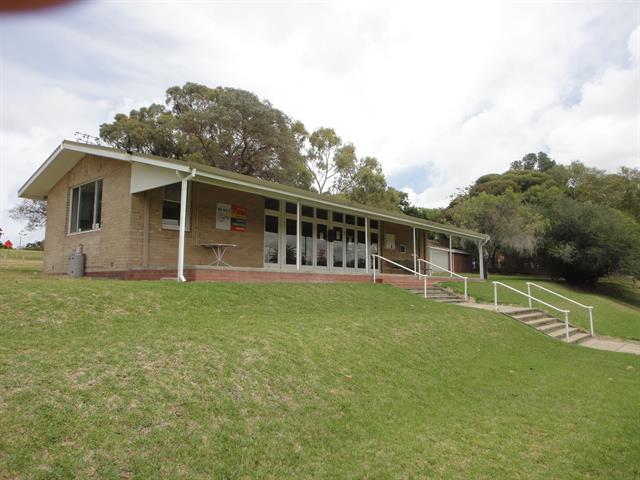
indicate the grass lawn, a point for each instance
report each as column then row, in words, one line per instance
column 112, row 379
column 28, row 260
column 616, row 303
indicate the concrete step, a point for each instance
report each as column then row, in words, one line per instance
column 537, row 322
column 523, row 311
column 449, row 300
column 578, row 337
column 530, row 315
column 560, row 333
column 550, row 327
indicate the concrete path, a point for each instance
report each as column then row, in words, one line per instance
column 600, row 343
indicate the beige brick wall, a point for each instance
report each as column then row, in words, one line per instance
column 163, row 243
column 120, row 242
column 404, row 236
column 106, row 248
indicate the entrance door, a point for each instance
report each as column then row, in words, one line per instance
column 321, row 245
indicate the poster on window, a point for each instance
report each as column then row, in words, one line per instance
column 223, row 216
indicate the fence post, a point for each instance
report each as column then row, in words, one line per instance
column 425, row 287
column 495, row 295
column 465, row 289
column 591, row 320
column 529, row 293
column 566, row 325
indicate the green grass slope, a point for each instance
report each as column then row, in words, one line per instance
column 116, row 379
column 616, row 304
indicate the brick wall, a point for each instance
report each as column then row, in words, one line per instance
column 163, row 242
column 404, row 236
column 120, row 243
column 107, row 248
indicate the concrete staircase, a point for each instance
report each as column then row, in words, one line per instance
column 547, row 324
column 436, row 293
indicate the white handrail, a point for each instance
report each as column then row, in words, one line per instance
column 588, row 307
column 374, row 256
column 448, row 271
column 530, row 297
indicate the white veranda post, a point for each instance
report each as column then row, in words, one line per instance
column 480, row 260
column 298, row 235
column 450, row 256
column 415, row 257
column 366, row 244
column 183, row 221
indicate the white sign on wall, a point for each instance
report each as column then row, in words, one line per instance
column 223, row 216
column 389, row 241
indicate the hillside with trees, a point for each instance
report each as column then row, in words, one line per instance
column 569, row 221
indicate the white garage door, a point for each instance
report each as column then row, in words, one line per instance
column 440, row 258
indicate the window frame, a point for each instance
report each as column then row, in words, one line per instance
column 95, row 204
column 166, row 226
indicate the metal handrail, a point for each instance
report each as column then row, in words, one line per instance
column 448, row 271
column 374, row 256
column 530, row 297
column 588, row 307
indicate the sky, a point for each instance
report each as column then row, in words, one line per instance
column 439, row 92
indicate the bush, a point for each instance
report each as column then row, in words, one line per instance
column 587, row 241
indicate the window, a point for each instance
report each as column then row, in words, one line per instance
column 350, row 219
column 291, row 244
column 307, row 211
column 270, row 239
column 272, row 204
column 171, row 206
column 337, row 217
column 361, row 249
column 306, row 243
column 373, row 224
column 322, row 214
column 350, row 248
column 337, row 247
column 360, row 221
column 86, row 207
column 321, row 235
column 291, row 208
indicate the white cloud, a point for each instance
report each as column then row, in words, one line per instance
column 440, row 92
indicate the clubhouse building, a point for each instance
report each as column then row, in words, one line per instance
column 139, row 216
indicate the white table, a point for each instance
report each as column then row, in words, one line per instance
column 218, row 250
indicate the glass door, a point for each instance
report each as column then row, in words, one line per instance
column 336, row 245
column 321, row 245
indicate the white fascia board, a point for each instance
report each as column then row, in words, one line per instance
column 39, row 171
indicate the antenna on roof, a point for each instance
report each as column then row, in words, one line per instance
column 86, row 138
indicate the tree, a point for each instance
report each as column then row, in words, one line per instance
column 586, row 241
column 150, row 130
column 510, row 223
column 37, row 245
column 331, row 164
column 224, row 127
column 34, row 212
column 540, row 162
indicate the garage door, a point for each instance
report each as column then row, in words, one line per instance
column 440, row 258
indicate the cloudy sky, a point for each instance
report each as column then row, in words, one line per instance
column 440, row 92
